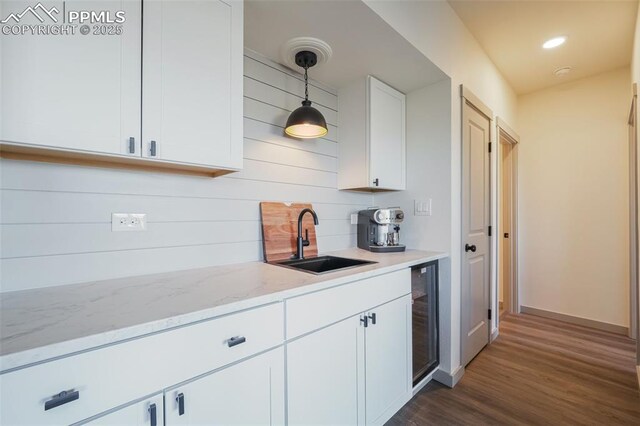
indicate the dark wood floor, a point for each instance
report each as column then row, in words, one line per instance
column 538, row 372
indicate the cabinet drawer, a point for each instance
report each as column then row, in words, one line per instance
column 313, row 311
column 109, row 377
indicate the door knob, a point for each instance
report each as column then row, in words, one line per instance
column 470, row 248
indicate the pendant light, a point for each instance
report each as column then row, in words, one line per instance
column 306, row 122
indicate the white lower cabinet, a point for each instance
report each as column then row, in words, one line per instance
column 248, row 393
column 348, row 362
column 79, row 387
column 323, row 376
column 149, row 412
column 388, row 360
column 354, row 372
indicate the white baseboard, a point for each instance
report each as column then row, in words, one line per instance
column 449, row 379
column 417, row 388
column 599, row 325
column 494, row 334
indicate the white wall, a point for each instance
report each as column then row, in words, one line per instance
column 434, row 29
column 573, row 198
column 55, row 219
column 428, row 169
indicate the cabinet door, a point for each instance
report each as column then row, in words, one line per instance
column 192, row 82
column 387, row 157
column 149, row 412
column 71, row 91
column 324, row 376
column 388, row 355
column 248, row 393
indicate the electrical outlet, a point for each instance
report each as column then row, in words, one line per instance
column 128, row 222
column 354, row 218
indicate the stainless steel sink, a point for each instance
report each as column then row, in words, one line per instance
column 323, row 264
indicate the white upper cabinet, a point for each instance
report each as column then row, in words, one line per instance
column 371, row 136
column 192, row 82
column 77, row 92
column 161, row 89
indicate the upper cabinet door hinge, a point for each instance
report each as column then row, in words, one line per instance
column 490, row 146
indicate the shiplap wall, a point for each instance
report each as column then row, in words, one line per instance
column 56, row 219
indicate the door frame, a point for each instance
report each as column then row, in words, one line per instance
column 503, row 130
column 634, row 285
column 467, row 97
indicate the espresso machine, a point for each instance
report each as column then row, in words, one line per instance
column 378, row 229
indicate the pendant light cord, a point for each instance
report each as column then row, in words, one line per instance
column 306, row 83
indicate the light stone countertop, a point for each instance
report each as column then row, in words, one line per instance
column 42, row 324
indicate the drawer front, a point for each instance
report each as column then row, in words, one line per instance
column 108, row 377
column 316, row 310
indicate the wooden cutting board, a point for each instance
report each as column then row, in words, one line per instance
column 280, row 230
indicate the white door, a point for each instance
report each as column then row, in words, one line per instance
column 386, row 136
column 475, row 238
column 248, row 393
column 388, row 359
column 149, row 412
column 323, row 371
column 74, row 91
column 192, row 78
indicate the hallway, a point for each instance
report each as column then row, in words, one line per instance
column 539, row 371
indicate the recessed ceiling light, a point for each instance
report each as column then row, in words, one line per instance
column 561, row 72
column 554, row 42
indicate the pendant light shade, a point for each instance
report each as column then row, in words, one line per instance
column 306, row 122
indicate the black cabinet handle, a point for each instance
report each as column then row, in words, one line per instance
column 180, row 400
column 236, row 341
column 152, row 150
column 376, row 182
column 132, row 145
column 153, row 416
column 468, row 248
column 61, row 399
column 365, row 320
column 372, row 317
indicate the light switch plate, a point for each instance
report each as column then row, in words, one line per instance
column 128, row 222
column 354, row 218
column 422, row 207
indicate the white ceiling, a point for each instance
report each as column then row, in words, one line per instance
column 600, row 37
column 361, row 41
